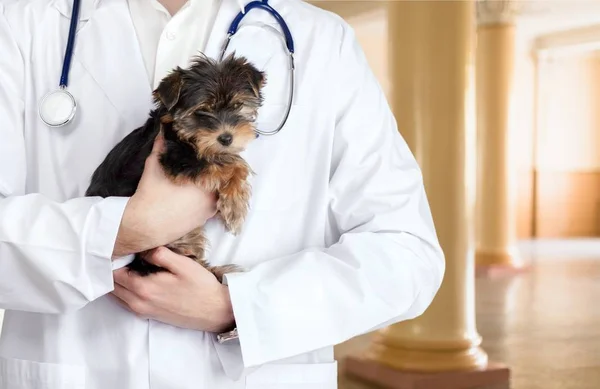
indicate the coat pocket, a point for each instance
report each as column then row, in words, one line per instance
column 294, row 376
column 22, row 374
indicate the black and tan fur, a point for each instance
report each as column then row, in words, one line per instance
column 206, row 114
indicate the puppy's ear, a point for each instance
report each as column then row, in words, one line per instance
column 169, row 89
column 246, row 73
column 257, row 80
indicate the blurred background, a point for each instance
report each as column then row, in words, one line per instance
column 500, row 102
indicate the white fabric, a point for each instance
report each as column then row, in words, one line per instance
column 167, row 41
column 339, row 240
column 149, row 20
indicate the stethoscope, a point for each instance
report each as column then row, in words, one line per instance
column 58, row 108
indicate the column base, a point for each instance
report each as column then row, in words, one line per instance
column 490, row 263
column 492, row 376
column 494, row 271
column 498, row 263
column 461, row 357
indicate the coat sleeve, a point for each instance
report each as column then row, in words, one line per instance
column 54, row 256
column 384, row 263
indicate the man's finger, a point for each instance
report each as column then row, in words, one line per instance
column 142, row 288
column 167, row 259
column 129, row 301
column 157, row 148
column 125, row 278
column 124, row 294
column 159, row 143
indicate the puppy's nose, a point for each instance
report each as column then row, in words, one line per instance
column 225, row 139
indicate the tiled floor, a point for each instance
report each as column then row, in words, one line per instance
column 544, row 323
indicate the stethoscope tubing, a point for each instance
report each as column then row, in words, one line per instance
column 233, row 29
column 289, row 43
column 292, row 68
column 263, row 4
column 64, row 77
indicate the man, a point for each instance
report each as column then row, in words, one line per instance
column 339, row 240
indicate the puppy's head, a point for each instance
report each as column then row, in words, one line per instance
column 212, row 105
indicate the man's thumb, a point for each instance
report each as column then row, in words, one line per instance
column 162, row 257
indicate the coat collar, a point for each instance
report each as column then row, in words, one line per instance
column 65, row 7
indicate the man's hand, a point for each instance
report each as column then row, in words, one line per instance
column 161, row 211
column 187, row 296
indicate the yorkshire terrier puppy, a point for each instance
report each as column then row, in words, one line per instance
column 206, row 114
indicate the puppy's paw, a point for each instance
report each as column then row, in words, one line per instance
column 233, row 220
column 233, row 208
column 220, row 271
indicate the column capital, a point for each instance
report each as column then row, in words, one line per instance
column 496, row 11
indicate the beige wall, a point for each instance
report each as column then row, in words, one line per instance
column 568, row 136
column 524, row 105
column 566, row 140
column 522, row 125
column 566, row 183
column 568, row 144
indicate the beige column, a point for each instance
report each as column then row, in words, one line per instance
column 432, row 45
column 435, row 50
column 404, row 65
column 496, row 209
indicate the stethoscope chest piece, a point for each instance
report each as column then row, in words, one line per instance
column 58, row 108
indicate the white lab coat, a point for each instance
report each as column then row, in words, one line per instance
column 339, row 240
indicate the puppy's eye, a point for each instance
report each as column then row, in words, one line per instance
column 206, row 108
column 237, row 105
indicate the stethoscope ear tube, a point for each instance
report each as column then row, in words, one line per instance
column 288, row 42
